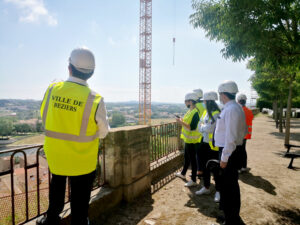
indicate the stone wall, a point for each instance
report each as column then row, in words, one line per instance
column 127, row 161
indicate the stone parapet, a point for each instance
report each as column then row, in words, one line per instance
column 127, row 161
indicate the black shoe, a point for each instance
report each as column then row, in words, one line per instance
column 221, row 219
column 46, row 221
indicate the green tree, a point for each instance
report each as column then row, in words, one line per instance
column 118, row 119
column 6, row 127
column 22, row 128
column 267, row 30
column 269, row 85
column 38, row 126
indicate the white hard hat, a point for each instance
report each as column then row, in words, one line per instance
column 241, row 96
column 83, row 60
column 191, row 96
column 198, row 92
column 228, row 86
column 210, row 95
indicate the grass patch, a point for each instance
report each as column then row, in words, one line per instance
column 29, row 140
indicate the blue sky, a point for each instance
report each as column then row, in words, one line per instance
column 37, row 38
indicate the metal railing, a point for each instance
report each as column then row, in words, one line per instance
column 165, row 139
column 25, row 180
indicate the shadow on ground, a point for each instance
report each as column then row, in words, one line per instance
column 204, row 203
column 293, row 136
column 295, row 123
column 134, row 212
column 160, row 182
column 286, row 216
column 258, row 182
column 128, row 213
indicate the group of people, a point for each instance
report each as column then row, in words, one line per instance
column 74, row 118
column 215, row 143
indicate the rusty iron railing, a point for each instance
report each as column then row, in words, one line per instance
column 165, row 139
column 23, row 197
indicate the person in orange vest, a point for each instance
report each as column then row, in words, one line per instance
column 74, row 118
column 242, row 99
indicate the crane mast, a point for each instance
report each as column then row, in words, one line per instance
column 145, row 61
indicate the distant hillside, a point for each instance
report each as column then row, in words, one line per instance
column 10, row 103
column 21, row 109
column 29, row 109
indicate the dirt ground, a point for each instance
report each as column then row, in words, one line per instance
column 270, row 192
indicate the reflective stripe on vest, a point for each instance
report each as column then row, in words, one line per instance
column 188, row 136
column 211, row 135
column 84, row 123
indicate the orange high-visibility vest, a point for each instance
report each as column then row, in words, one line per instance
column 249, row 118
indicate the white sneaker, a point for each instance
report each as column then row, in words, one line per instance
column 190, row 184
column 243, row 170
column 180, row 175
column 203, row 191
column 217, row 197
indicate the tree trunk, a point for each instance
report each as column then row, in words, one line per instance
column 288, row 114
column 275, row 112
column 280, row 116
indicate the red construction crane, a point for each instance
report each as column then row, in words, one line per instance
column 145, row 52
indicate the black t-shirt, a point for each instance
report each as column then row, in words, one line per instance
column 195, row 121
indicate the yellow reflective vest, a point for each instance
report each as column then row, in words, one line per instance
column 210, row 135
column 200, row 108
column 190, row 136
column 71, row 133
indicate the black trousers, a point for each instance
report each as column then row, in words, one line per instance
column 230, row 201
column 81, row 187
column 200, row 156
column 209, row 154
column 190, row 158
column 244, row 154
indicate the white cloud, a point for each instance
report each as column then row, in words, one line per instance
column 112, row 42
column 34, row 11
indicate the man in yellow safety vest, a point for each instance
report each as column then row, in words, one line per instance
column 74, row 118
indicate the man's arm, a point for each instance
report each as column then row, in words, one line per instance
column 102, row 120
column 231, row 134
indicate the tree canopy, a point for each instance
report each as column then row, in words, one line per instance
column 118, row 119
column 266, row 30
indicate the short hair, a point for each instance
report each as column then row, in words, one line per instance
column 242, row 102
column 231, row 96
column 79, row 74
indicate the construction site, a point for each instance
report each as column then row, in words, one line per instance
column 136, row 177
